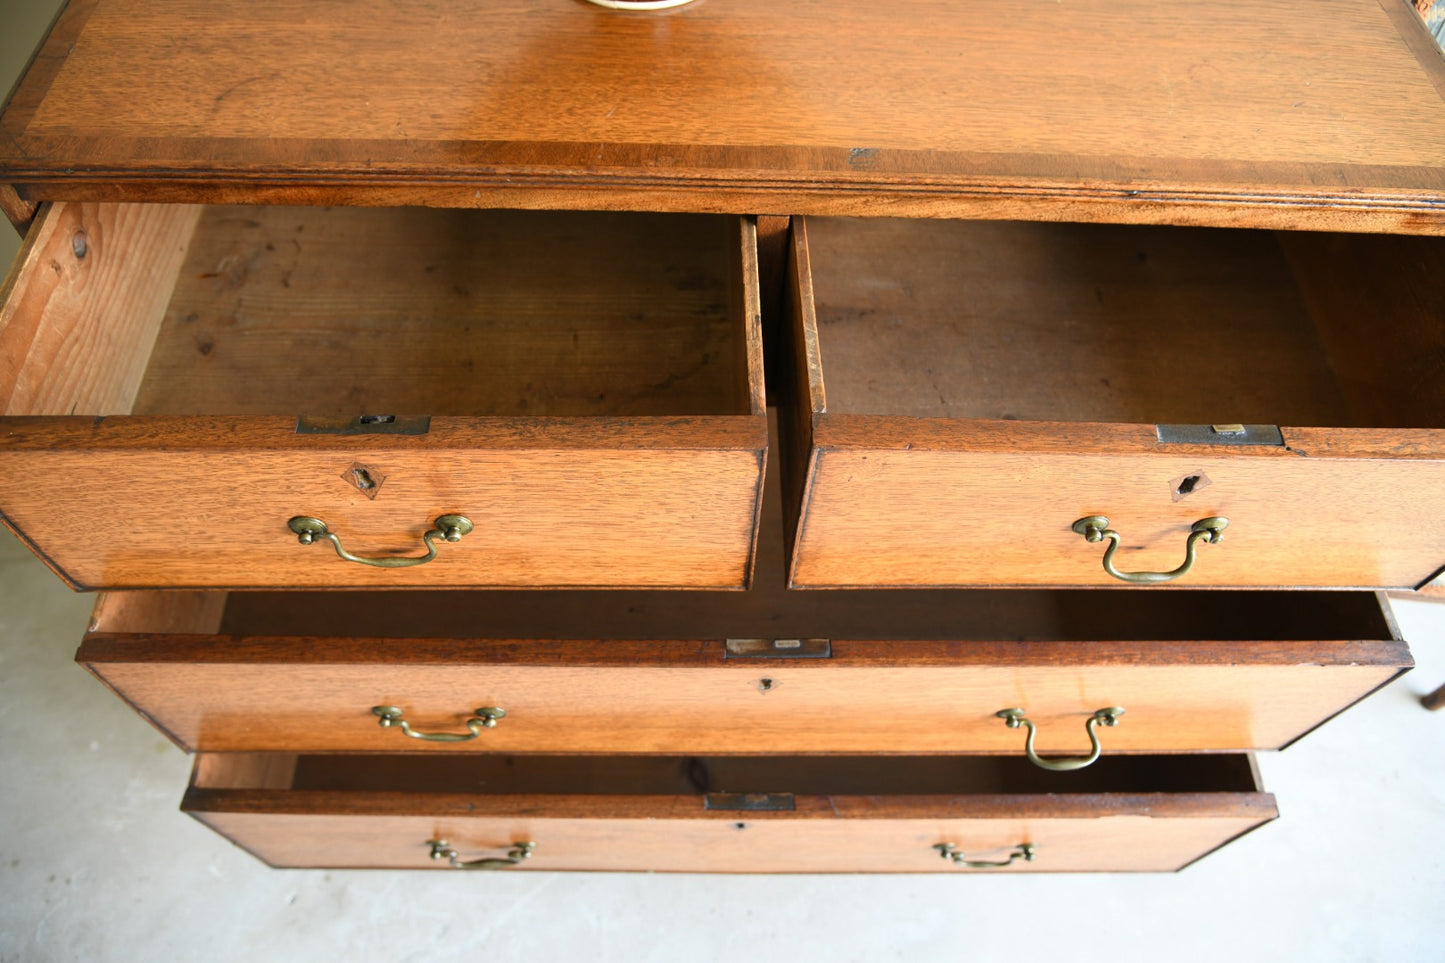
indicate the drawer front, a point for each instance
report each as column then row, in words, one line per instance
column 964, row 397
column 240, row 372
column 881, row 832
column 133, row 503
column 621, row 695
column 919, row 504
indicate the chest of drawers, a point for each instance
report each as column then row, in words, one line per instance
column 491, row 299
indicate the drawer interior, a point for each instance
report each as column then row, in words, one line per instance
column 767, row 611
column 338, row 312
column 496, row 774
column 1109, row 323
column 962, row 615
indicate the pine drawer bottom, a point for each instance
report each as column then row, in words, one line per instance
column 834, row 814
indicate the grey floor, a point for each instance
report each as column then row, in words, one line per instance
column 96, row 863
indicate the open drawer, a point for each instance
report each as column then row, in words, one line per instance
column 758, row 672
column 189, row 392
column 980, row 403
column 725, row 814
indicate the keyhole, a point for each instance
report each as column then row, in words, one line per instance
column 765, row 685
column 364, row 479
column 1187, row 485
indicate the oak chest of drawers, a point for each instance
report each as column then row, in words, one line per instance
column 1072, row 381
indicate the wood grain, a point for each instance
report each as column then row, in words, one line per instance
column 920, row 477
column 1124, row 843
column 222, row 693
column 745, row 313
column 646, row 671
column 1109, row 111
column 769, row 609
column 773, row 246
column 801, row 392
column 204, row 502
column 605, row 377
column 80, row 311
column 1358, row 288
column 995, row 502
column 883, row 831
column 189, row 613
column 1046, row 322
column 20, row 213
column 413, row 311
column 275, row 770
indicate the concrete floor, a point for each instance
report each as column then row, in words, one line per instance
column 97, row 864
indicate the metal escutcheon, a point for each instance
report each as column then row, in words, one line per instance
column 484, row 718
column 1023, row 851
column 441, row 849
column 1013, row 718
column 1095, row 528
column 449, row 527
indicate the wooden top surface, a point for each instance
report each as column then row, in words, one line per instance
column 1077, row 109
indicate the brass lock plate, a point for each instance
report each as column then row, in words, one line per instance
column 778, row 649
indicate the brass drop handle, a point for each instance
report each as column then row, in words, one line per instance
column 441, row 849
column 1023, row 851
column 1095, row 528
column 1013, row 718
column 449, row 527
column 484, row 718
